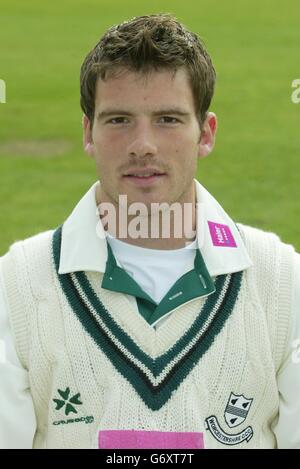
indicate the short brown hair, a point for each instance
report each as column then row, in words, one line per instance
column 147, row 43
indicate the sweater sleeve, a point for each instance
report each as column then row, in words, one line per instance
column 17, row 416
column 287, row 428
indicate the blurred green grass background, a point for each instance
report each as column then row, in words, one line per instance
column 254, row 170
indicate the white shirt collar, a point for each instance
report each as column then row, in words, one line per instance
column 84, row 245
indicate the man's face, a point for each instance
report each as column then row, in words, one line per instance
column 146, row 137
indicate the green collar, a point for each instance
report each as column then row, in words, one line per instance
column 193, row 284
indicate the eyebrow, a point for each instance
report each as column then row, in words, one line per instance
column 121, row 112
column 173, row 110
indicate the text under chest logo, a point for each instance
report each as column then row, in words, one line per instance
column 236, row 410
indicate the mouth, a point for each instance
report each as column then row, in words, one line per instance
column 144, row 177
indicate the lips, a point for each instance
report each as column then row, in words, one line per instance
column 144, row 173
column 144, row 177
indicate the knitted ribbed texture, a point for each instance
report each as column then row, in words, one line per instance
column 65, row 357
column 275, row 273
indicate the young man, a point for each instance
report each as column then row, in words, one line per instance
column 173, row 328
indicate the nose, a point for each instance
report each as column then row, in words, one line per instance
column 143, row 141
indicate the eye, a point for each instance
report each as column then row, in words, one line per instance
column 168, row 120
column 118, row 120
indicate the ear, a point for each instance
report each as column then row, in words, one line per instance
column 208, row 135
column 88, row 143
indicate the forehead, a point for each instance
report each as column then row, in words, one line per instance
column 151, row 89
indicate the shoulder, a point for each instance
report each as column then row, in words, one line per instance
column 257, row 234
column 30, row 258
column 34, row 240
column 265, row 245
column 38, row 241
column 274, row 262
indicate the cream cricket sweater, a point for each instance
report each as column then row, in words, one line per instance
column 95, row 364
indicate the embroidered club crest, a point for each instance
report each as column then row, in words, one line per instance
column 237, row 409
